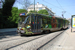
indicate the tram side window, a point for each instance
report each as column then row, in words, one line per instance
column 49, row 22
column 32, row 21
column 59, row 23
column 44, row 20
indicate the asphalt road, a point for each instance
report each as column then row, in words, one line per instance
column 12, row 41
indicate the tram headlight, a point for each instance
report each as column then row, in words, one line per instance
column 22, row 30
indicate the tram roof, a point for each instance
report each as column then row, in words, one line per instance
column 45, row 15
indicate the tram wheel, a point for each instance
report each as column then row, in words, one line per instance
column 47, row 31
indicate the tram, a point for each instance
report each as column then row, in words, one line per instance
column 34, row 23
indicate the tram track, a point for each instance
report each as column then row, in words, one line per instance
column 16, row 38
column 9, row 39
column 49, row 41
column 31, row 45
column 19, row 41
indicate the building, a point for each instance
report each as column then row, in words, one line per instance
column 40, row 7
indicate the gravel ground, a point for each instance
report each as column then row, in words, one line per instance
column 26, row 43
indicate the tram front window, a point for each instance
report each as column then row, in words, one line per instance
column 21, row 19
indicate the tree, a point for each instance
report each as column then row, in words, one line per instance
column 25, row 3
column 7, row 7
column 31, row 11
column 5, row 12
column 43, row 12
column 15, row 14
column 22, row 11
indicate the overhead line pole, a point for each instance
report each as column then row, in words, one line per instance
column 34, row 5
column 63, row 13
column 0, row 4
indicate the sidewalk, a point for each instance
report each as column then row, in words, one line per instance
column 8, row 30
column 69, row 43
column 66, row 41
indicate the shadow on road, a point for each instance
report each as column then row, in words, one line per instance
column 5, row 34
column 14, row 33
column 41, row 33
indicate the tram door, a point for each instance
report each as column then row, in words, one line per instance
column 36, row 24
column 39, row 23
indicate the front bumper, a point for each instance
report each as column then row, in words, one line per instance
column 21, row 31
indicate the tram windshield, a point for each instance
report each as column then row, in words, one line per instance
column 21, row 19
column 25, row 20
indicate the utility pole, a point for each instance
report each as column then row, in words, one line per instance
column 34, row 5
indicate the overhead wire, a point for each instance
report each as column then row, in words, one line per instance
column 48, row 3
column 61, row 6
column 52, row 4
column 55, row 5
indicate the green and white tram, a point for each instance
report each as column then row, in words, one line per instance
column 33, row 23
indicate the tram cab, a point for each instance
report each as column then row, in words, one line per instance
column 33, row 23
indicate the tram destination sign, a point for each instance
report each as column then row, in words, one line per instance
column 73, row 21
column 22, row 14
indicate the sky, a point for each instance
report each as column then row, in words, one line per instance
column 57, row 6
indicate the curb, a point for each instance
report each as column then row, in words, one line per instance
column 8, row 30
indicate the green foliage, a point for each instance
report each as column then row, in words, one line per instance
column 15, row 14
column 43, row 12
column 22, row 11
column 31, row 11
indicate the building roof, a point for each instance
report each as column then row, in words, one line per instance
column 37, row 6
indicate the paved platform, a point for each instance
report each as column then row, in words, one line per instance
column 8, row 30
column 69, row 43
column 66, row 41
